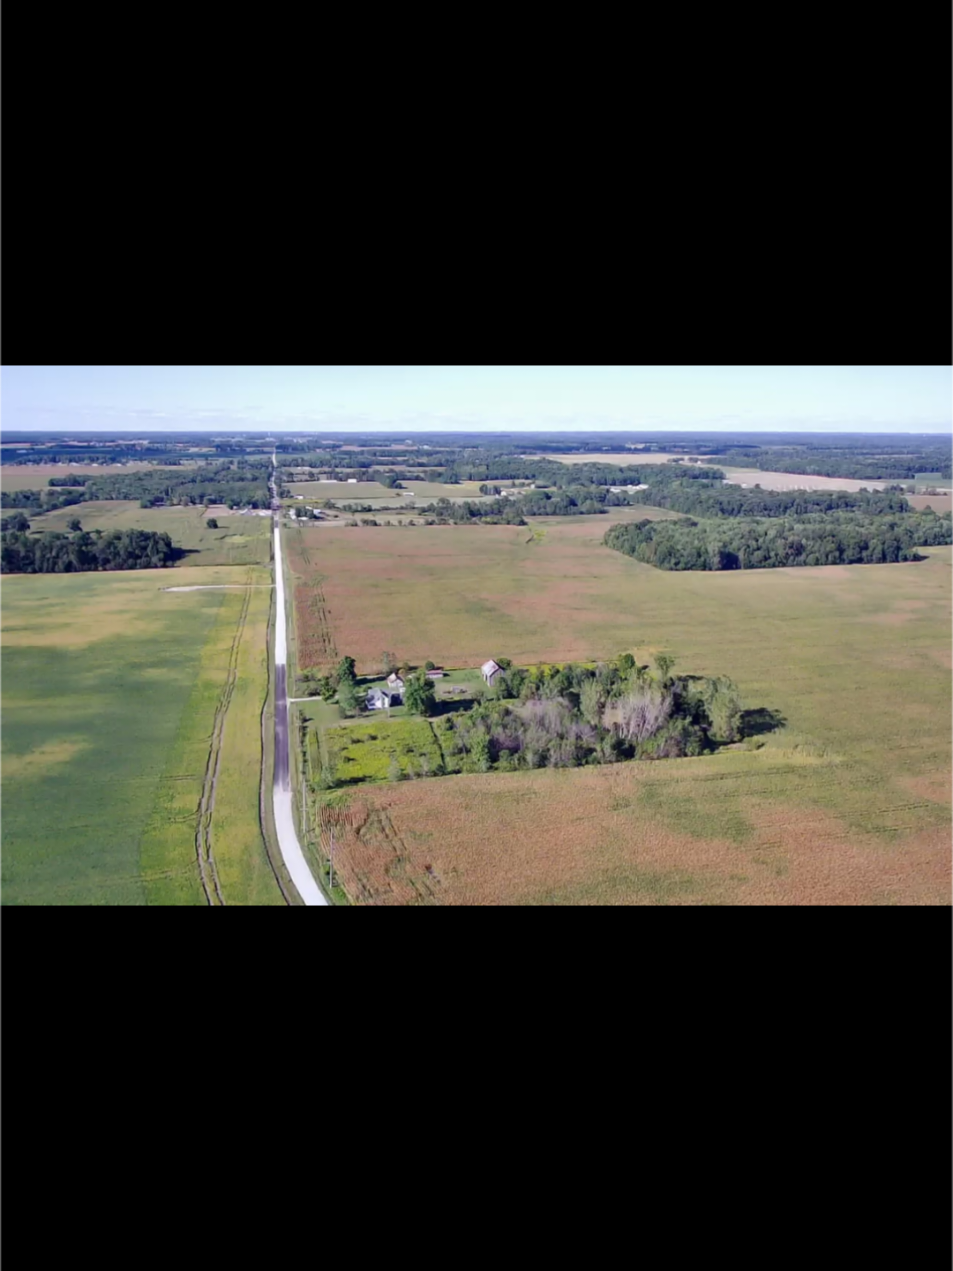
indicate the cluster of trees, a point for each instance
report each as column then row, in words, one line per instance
column 242, row 483
column 24, row 553
column 714, row 498
column 834, row 538
column 342, row 685
column 572, row 715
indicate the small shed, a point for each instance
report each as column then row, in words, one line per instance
column 490, row 670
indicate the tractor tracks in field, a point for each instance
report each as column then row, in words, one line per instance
column 204, row 854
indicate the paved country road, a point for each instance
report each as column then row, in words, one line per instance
column 288, row 843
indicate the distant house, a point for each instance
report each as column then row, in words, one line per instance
column 490, row 670
column 395, row 683
column 436, row 673
column 352, row 480
column 379, row 699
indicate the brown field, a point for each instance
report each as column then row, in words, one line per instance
column 848, row 803
column 684, row 832
column 794, row 480
column 939, row 502
column 620, row 457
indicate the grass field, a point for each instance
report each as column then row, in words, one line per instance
column 364, row 752
column 115, row 695
column 360, row 492
column 427, row 490
column 36, row 476
column 239, row 540
column 850, row 802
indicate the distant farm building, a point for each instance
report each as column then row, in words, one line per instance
column 395, row 683
column 490, row 670
column 436, row 673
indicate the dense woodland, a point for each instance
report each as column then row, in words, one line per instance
column 833, row 538
column 24, row 553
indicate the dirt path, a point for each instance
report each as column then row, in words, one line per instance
column 203, row 828
column 217, row 587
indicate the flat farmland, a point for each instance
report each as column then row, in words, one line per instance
column 241, row 539
column 856, row 658
column 36, row 476
column 131, row 727
column 426, row 490
column 359, row 492
column 939, row 502
column 620, row 457
column 794, row 480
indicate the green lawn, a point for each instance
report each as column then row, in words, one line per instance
column 366, row 751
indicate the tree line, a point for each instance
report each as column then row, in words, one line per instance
column 82, row 551
column 714, row 498
column 242, row 483
column 833, row 538
column 867, row 463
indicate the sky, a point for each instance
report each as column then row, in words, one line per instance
column 471, row 398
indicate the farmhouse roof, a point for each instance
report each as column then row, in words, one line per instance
column 488, row 668
column 394, row 680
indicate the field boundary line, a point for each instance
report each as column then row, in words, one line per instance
column 203, row 830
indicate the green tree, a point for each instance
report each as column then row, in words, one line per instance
column 625, row 662
column 345, row 671
column 75, row 526
column 724, row 709
column 428, row 665
column 419, row 695
column 591, row 701
column 479, row 752
column 348, row 700
column 663, row 664
column 211, row 523
column 388, row 663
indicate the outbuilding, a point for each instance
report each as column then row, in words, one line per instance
column 490, row 670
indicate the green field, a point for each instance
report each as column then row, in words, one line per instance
column 114, row 695
column 359, row 492
column 366, row 752
column 241, row 539
column 426, row 490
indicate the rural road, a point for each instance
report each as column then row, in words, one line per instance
column 288, row 844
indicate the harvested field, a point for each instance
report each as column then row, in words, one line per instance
column 855, row 658
column 939, row 502
column 622, row 457
column 795, row 480
column 685, row 832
